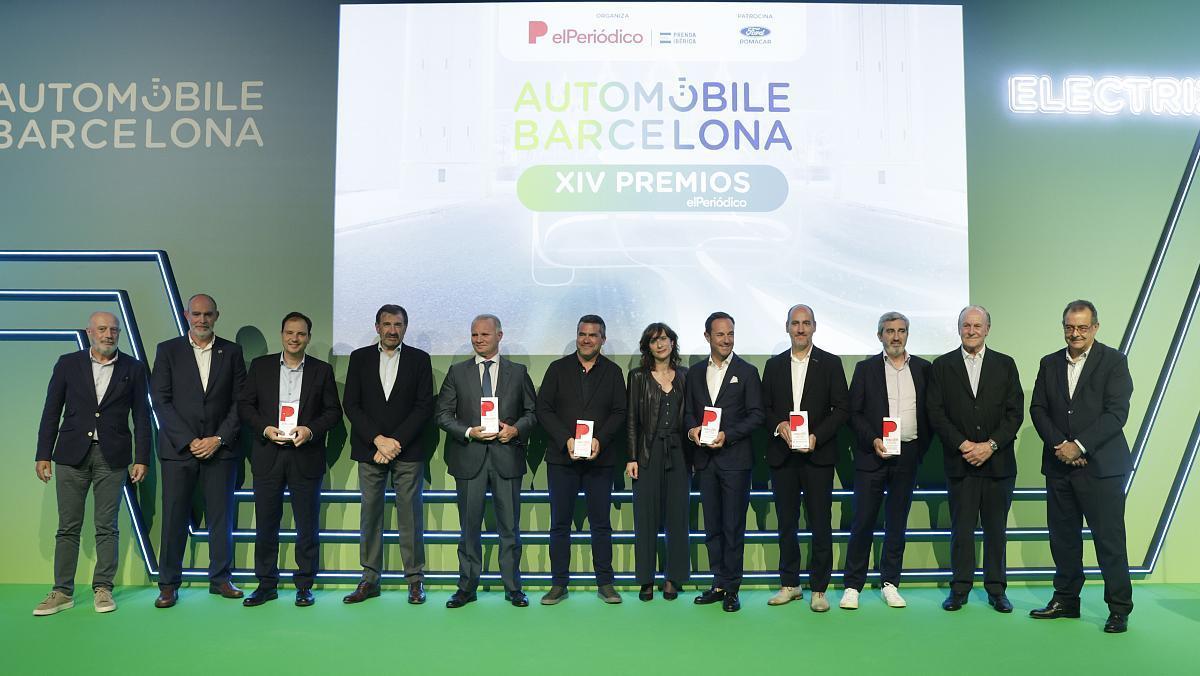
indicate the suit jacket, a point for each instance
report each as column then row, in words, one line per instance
column 72, row 388
column 741, row 413
column 869, row 406
column 458, row 410
column 641, row 413
column 185, row 409
column 1094, row 417
column 320, row 411
column 559, row 405
column 824, row 398
column 995, row 413
column 402, row 416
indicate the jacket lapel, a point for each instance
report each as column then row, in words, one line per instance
column 725, row 379
column 957, row 365
column 214, row 367
column 119, row 374
column 814, row 367
column 306, row 388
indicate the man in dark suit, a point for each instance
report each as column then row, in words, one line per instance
column 804, row 378
column 728, row 382
column 478, row 460
column 98, row 388
column 389, row 401
column 196, row 382
column 892, row 385
column 976, row 406
column 290, row 402
column 584, row 385
column 1080, row 405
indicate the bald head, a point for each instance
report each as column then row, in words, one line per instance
column 103, row 331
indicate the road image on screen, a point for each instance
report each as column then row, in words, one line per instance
column 650, row 162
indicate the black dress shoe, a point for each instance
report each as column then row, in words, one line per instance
column 167, row 596
column 364, row 591
column 647, row 592
column 305, row 598
column 670, row 590
column 416, row 593
column 710, row 595
column 226, row 589
column 460, row 598
column 954, row 601
column 1000, row 602
column 260, row 596
column 1054, row 610
column 517, row 598
column 1116, row 624
column 731, row 604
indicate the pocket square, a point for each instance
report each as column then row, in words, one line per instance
column 733, row 380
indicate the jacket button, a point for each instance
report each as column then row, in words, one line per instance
column 89, row 434
column 97, row 414
column 1069, row 412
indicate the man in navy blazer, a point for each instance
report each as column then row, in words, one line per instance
column 804, row 378
column 289, row 403
column 389, row 401
column 728, row 382
column 196, row 382
column 94, row 392
column 892, row 385
column 480, row 460
column 976, row 406
column 1079, row 407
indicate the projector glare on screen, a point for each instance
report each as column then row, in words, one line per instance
column 650, row 162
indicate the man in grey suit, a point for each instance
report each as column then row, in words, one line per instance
column 478, row 459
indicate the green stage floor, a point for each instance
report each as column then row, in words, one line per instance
column 206, row 634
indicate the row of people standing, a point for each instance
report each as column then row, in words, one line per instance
column 289, row 401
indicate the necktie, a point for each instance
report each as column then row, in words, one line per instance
column 487, row 378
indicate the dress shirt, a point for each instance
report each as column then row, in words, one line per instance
column 290, row 380
column 203, row 359
column 388, row 366
column 902, row 396
column 974, row 363
column 799, row 373
column 714, row 375
column 1074, row 369
column 101, row 377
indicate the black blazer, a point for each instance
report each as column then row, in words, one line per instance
column 824, row 398
column 957, row 416
column 185, row 410
column 320, row 411
column 72, row 387
column 741, row 413
column 1094, row 417
column 559, row 406
column 869, row 406
column 402, row 416
column 458, row 409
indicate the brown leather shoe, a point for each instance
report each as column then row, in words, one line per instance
column 364, row 591
column 416, row 593
column 167, row 596
column 226, row 589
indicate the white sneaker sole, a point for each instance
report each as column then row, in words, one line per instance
column 57, row 609
column 106, row 609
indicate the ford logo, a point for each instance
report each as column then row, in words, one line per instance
column 755, row 31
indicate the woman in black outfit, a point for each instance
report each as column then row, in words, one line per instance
column 657, row 464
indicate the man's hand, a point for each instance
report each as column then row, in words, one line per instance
column 976, row 453
column 137, row 473
column 812, row 444
column 302, row 435
column 719, row 441
column 276, row 435
column 1068, row 452
column 881, row 449
column 386, row 449
column 44, row 470
column 507, row 433
column 203, row 449
column 784, row 430
column 694, row 435
column 478, row 435
column 592, row 452
column 631, row 470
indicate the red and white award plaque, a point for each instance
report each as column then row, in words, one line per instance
column 710, row 425
column 489, row 414
column 798, row 422
column 891, row 436
column 289, row 411
column 582, row 446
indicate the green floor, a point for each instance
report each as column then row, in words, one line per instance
column 210, row 635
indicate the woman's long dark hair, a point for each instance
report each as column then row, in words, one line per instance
column 653, row 331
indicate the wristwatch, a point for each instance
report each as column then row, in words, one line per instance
column 221, row 442
column 994, row 445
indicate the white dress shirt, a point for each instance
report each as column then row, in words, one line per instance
column 799, row 374
column 101, row 377
column 902, row 396
column 388, row 366
column 203, row 359
column 974, row 364
column 713, row 376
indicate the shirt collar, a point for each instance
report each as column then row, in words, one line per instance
column 112, row 361
column 206, row 348
column 969, row 357
column 1078, row 360
column 300, row 367
column 395, row 353
column 888, row 360
column 495, row 359
column 807, row 356
column 723, row 365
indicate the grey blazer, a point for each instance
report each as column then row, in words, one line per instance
column 458, row 409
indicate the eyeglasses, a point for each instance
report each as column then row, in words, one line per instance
column 1082, row 329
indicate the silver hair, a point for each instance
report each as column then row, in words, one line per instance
column 890, row 317
column 494, row 318
column 987, row 315
column 787, row 321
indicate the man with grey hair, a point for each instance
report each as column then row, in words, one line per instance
column 889, row 385
column 480, row 459
column 90, row 448
column 976, row 406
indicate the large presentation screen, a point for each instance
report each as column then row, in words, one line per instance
column 650, row 162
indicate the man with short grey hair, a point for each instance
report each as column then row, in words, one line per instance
column 100, row 389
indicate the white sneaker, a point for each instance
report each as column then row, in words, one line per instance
column 785, row 595
column 892, row 596
column 849, row 599
column 103, row 600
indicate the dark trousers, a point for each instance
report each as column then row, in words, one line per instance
column 1071, row 498
column 71, row 483
column 180, row 478
column 661, row 499
column 268, row 512
column 565, row 483
column 898, row 481
column 984, row 500
column 724, row 497
column 798, row 474
column 408, row 478
column 506, row 498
